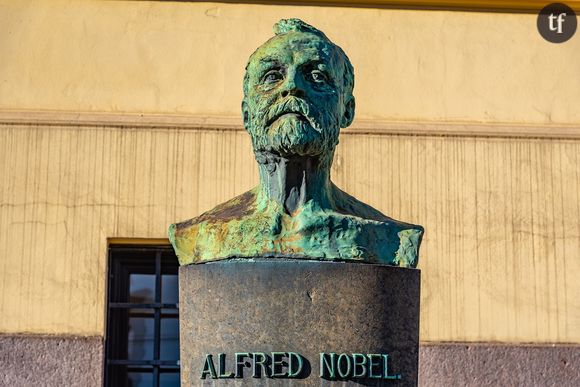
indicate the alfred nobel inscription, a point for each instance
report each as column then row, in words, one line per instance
column 296, row 264
column 290, row 365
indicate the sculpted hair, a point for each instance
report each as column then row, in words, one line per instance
column 285, row 26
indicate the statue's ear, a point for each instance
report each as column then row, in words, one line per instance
column 348, row 115
column 245, row 114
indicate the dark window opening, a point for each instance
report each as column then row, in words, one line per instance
column 142, row 343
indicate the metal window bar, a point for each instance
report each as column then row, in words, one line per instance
column 157, row 311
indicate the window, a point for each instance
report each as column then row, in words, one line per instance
column 142, row 343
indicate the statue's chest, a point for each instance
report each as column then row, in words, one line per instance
column 329, row 236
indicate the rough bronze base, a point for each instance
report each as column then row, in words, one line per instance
column 305, row 307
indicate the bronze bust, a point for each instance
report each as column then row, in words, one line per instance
column 297, row 96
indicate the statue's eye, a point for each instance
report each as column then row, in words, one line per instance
column 318, row 76
column 272, row 76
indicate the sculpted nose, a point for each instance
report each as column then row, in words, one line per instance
column 292, row 86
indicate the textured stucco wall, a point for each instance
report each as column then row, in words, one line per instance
column 500, row 259
column 188, row 57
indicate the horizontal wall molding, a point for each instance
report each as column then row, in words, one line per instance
column 233, row 123
column 460, row 5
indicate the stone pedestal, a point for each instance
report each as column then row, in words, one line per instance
column 264, row 307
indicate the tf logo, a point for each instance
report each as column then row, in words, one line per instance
column 557, row 23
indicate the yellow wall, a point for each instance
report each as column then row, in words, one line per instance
column 500, row 259
column 501, row 255
column 188, row 57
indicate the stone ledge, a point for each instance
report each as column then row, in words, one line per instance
column 34, row 360
column 499, row 365
column 37, row 360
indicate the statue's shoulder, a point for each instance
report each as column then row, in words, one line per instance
column 349, row 205
column 235, row 208
column 183, row 235
column 403, row 238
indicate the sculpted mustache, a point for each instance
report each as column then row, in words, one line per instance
column 291, row 105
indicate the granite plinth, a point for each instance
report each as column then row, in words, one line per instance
column 305, row 307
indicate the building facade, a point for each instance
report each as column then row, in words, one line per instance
column 118, row 118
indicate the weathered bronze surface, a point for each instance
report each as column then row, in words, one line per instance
column 301, row 306
column 297, row 96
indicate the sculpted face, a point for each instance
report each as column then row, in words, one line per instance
column 295, row 99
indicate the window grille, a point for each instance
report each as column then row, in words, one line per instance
column 142, row 342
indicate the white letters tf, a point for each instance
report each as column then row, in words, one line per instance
column 559, row 19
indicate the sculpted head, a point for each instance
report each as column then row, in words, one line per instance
column 297, row 92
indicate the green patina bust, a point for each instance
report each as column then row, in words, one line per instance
column 297, row 96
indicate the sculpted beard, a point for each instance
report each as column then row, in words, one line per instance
column 311, row 133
